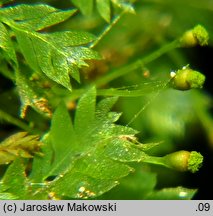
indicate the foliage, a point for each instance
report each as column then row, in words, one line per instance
column 103, row 7
column 74, row 146
column 56, row 54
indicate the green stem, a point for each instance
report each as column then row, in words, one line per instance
column 141, row 91
column 5, row 116
column 107, row 29
column 155, row 160
column 122, row 71
column 121, row 93
column 137, row 64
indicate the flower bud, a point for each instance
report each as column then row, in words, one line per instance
column 184, row 161
column 197, row 36
column 187, row 78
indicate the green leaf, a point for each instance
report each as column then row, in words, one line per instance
column 58, row 54
column 92, row 168
column 124, row 5
column 39, row 54
column 62, row 139
column 84, row 118
column 105, row 105
column 53, row 53
column 70, row 38
column 14, row 181
column 35, row 17
column 18, row 145
column 6, row 43
column 7, row 196
column 86, row 6
column 135, row 186
column 124, row 150
column 103, row 7
column 81, row 186
column 39, row 173
column 67, row 142
column 178, row 193
column 140, row 185
column 148, row 146
column 91, row 156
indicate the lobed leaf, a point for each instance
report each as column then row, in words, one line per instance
column 91, row 154
column 58, row 54
column 55, row 59
column 95, row 172
column 35, row 17
column 81, row 186
column 68, row 141
column 87, row 159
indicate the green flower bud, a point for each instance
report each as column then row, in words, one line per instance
column 184, row 161
column 178, row 160
column 197, row 36
column 186, row 79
